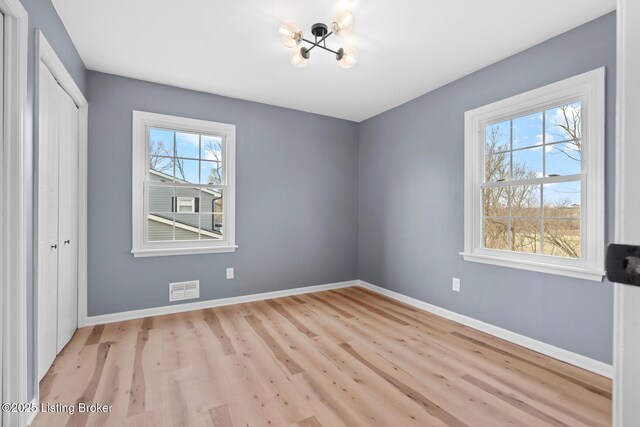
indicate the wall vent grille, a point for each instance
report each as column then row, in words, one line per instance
column 179, row 291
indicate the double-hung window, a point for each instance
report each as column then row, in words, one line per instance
column 183, row 185
column 534, row 179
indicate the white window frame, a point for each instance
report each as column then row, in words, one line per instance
column 589, row 89
column 141, row 246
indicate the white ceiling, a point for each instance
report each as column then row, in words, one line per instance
column 231, row 47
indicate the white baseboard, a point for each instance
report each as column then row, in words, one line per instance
column 32, row 415
column 575, row 359
column 179, row 308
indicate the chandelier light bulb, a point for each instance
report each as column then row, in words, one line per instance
column 300, row 57
column 290, row 34
column 343, row 23
column 347, row 57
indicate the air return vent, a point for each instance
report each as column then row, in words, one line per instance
column 179, row 291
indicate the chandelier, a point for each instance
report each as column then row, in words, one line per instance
column 291, row 36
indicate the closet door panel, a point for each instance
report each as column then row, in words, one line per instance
column 68, row 220
column 48, row 220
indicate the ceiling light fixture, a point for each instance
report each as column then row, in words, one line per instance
column 291, row 36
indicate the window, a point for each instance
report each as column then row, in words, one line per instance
column 534, row 179
column 183, row 185
column 186, row 205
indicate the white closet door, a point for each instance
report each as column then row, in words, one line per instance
column 48, row 220
column 68, row 220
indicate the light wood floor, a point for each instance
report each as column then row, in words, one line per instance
column 338, row 358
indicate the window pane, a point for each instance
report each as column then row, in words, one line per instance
column 497, row 137
column 187, row 226
column 160, row 142
column 496, row 201
column 187, row 145
column 160, row 198
column 211, row 227
column 564, row 159
column 563, row 123
column 562, row 238
column 495, row 234
column 211, row 200
column 562, row 199
column 160, row 227
column 525, row 235
column 187, row 171
column 211, row 148
column 525, row 201
column 496, row 167
column 527, row 163
column 527, row 131
column 210, row 172
column 161, row 168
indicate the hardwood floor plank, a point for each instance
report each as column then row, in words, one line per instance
column 347, row 357
column 94, row 337
column 220, row 416
column 278, row 352
column 247, row 391
column 332, row 306
column 513, row 401
column 147, row 323
column 293, row 320
column 371, row 308
column 541, row 359
column 78, row 419
column 136, row 397
column 309, row 422
column 114, row 389
column 412, row 394
column 589, row 387
column 330, row 402
column 587, row 419
column 438, row 381
column 214, row 324
column 298, row 299
column 46, row 384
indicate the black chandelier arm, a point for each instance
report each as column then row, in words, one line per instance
column 317, row 43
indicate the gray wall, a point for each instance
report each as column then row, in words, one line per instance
column 296, row 209
column 411, row 202
column 42, row 16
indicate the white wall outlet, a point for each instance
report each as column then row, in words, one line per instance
column 456, row 284
column 230, row 273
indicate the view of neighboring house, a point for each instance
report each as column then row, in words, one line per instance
column 190, row 213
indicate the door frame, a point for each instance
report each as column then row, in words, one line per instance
column 46, row 57
column 12, row 211
column 626, row 384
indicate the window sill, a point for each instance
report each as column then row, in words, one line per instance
column 542, row 267
column 141, row 253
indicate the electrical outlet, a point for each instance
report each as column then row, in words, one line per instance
column 230, row 273
column 456, row 284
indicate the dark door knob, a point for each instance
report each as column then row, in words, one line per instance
column 66, row 242
column 623, row 264
column 54, row 246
